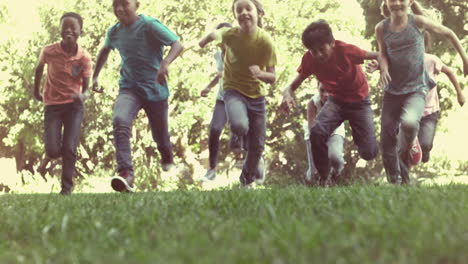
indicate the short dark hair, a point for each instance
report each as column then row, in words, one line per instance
column 224, row 24
column 74, row 15
column 317, row 33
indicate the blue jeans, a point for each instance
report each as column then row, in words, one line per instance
column 427, row 129
column 247, row 118
column 335, row 154
column 218, row 121
column 69, row 117
column 400, row 112
column 332, row 114
column 126, row 108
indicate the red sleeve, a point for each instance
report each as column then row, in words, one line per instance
column 306, row 68
column 355, row 54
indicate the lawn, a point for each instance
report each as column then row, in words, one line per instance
column 354, row 224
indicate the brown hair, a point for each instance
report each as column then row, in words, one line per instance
column 260, row 10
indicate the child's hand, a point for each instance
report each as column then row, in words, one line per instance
column 205, row 92
column 384, row 79
column 372, row 66
column 461, row 99
column 288, row 102
column 162, row 74
column 80, row 97
column 96, row 87
column 38, row 96
column 255, row 70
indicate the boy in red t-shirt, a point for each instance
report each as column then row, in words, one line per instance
column 336, row 65
column 66, row 88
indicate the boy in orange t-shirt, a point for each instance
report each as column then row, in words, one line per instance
column 68, row 73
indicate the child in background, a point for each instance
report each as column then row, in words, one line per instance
column 250, row 60
column 405, row 80
column 140, row 41
column 334, row 143
column 219, row 118
column 336, row 65
column 66, row 88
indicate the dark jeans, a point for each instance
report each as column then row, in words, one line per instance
column 400, row 112
column 247, row 118
column 126, row 108
column 332, row 114
column 58, row 144
column 216, row 128
column 427, row 129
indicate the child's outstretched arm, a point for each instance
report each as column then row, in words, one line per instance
column 288, row 100
column 267, row 76
column 425, row 23
column 206, row 91
column 100, row 61
column 207, row 39
column 174, row 52
column 37, row 80
column 311, row 113
column 382, row 57
column 456, row 85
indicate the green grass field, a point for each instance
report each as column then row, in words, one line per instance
column 355, row 224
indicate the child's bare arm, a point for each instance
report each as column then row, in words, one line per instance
column 456, row 85
column 267, row 76
column 288, row 100
column 38, row 80
column 371, row 55
column 174, row 52
column 426, row 24
column 214, row 81
column 382, row 57
column 207, row 39
column 311, row 113
column 100, row 61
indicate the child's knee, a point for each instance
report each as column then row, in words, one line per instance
column 53, row 153
column 240, row 127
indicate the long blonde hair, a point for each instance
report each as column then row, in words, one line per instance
column 416, row 8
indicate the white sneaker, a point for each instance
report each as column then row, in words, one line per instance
column 167, row 166
column 260, row 179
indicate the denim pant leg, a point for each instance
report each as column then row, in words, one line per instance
column 53, row 122
column 218, row 121
column 413, row 108
column 126, row 109
column 236, row 111
column 157, row 113
column 73, row 118
column 426, row 134
column 335, row 152
column 327, row 120
column 360, row 117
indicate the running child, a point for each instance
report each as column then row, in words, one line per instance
column 336, row 64
column 249, row 61
column 140, row 40
column 65, row 90
column 405, row 80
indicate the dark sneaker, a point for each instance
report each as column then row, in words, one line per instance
column 123, row 182
column 209, row 176
column 65, row 192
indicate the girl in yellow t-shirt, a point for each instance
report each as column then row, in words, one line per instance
column 249, row 62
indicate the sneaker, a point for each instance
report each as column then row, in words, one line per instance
column 260, row 177
column 209, row 176
column 167, row 166
column 415, row 153
column 123, row 182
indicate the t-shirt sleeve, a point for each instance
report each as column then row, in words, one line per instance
column 42, row 57
column 162, row 33
column 306, row 68
column 219, row 61
column 355, row 54
column 108, row 42
column 87, row 65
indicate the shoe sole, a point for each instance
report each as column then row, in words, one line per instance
column 119, row 184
